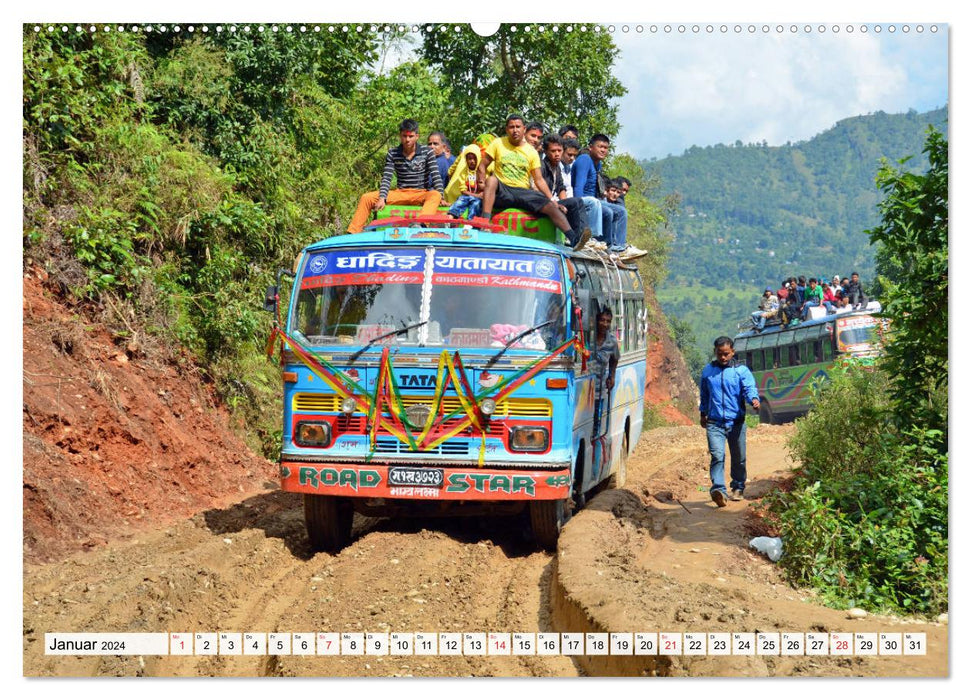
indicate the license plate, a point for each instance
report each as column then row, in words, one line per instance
column 415, row 476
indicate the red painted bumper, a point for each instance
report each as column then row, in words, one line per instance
column 459, row 483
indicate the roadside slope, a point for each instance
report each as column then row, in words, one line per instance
column 115, row 440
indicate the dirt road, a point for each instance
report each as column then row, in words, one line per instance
column 248, row 568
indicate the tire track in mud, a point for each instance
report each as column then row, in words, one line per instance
column 248, row 568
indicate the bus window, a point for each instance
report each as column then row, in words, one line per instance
column 818, row 350
column 747, row 359
column 759, row 364
column 775, row 358
column 793, row 355
column 827, row 349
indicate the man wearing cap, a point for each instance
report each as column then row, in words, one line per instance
column 768, row 308
column 414, row 165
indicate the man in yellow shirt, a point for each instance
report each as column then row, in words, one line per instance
column 508, row 188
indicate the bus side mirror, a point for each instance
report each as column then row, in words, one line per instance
column 589, row 306
column 270, row 299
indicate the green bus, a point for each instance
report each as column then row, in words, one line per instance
column 788, row 362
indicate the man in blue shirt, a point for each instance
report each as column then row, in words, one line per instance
column 725, row 387
column 608, row 220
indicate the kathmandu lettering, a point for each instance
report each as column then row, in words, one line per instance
column 461, row 482
column 352, row 478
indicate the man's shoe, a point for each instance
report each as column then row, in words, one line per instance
column 632, row 253
column 735, row 495
column 719, row 498
column 584, row 237
column 597, row 245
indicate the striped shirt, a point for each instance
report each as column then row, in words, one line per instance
column 412, row 174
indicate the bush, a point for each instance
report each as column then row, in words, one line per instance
column 866, row 520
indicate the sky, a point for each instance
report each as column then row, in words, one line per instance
column 705, row 88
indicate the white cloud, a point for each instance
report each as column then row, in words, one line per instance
column 701, row 89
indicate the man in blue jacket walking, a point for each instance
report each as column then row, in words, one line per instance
column 725, row 387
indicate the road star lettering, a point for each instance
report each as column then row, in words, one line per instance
column 326, row 476
column 460, row 482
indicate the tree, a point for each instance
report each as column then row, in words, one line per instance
column 553, row 77
column 912, row 260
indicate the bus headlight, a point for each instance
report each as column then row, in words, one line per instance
column 488, row 407
column 312, row 434
column 348, row 405
column 529, row 439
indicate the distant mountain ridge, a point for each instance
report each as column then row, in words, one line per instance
column 751, row 214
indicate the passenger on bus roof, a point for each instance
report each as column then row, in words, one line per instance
column 768, row 308
column 534, row 135
column 413, row 164
column 571, row 149
column 608, row 221
column 508, row 187
column 443, row 155
column 854, row 292
column 575, row 211
column 471, row 198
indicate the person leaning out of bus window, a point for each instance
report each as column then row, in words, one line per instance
column 725, row 387
column 608, row 352
column 414, row 165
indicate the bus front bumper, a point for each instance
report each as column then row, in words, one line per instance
column 423, row 483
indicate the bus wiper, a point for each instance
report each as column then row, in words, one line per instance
column 516, row 337
column 371, row 342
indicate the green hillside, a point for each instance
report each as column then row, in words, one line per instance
column 751, row 215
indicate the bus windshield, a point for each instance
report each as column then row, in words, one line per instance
column 858, row 336
column 473, row 299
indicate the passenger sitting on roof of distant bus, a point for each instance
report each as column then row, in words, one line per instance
column 576, row 213
column 829, row 294
column 814, row 297
column 768, row 308
column 854, row 292
column 471, row 198
column 508, row 188
column 413, row 164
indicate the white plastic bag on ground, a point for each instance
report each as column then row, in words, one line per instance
column 769, row 546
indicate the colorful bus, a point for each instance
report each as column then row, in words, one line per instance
column 788, row 362
column 436, row 367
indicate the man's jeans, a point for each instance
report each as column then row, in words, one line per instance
column 614, row 225
column 734, row 433
column 594, row 216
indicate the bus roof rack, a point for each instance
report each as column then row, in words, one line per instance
column 436, row 220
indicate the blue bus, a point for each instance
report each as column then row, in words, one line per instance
column 437, row 368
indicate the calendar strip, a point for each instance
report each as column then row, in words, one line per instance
column 417, row 643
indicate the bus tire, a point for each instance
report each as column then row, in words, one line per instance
column 547, row 518
column 328, row 520
column 765, row 414
column 619, row 477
